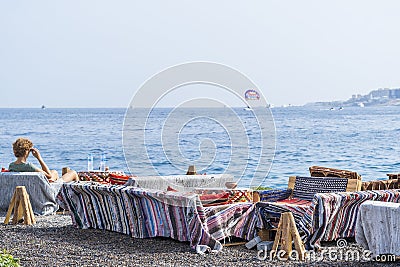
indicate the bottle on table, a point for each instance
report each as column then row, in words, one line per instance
column 103, row 162
column 90, row 162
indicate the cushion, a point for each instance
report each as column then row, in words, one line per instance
column 119, row 179
column 295, row 201
column 214, row 199
column 307, row 187
column 273, row 195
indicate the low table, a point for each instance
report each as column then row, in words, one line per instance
column 97, row 176
column 377, row 227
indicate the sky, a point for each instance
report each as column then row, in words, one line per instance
column 98, row 53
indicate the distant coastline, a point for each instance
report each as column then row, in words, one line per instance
column 379, row 97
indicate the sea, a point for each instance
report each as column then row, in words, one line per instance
column 365, row 140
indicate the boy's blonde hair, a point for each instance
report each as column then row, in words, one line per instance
column 21, row 145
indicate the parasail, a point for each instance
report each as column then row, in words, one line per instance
column 251, row 95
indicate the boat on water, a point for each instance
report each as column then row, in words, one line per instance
column 248, row 108
column 43, row 107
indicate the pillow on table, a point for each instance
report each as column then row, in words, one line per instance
column 118, row 179
column 307, row 187
column 214, row 199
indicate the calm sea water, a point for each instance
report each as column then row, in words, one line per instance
column 360, row 139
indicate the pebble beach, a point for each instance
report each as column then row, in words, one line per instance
column 54, row 241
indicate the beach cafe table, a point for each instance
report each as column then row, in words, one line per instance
column 377, row 227
column 103, row 177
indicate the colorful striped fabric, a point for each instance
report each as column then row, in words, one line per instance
column 274, row 194
column 263, row 215
column 328, row 217
column 295, row 201
column 260, row 216
column 181, row 216
column 150, row 213
column 335, row 214
column 213, row 197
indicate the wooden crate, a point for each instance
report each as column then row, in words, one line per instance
column 318, row 171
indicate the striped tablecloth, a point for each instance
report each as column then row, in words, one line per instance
column 328, row 217
column 145, row 213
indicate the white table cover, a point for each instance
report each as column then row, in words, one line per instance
column 377, row 227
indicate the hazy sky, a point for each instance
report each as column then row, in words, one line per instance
column 98, row 53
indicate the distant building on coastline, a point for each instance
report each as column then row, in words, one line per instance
column 395, row 93
column 385, row 93
column 379, row 97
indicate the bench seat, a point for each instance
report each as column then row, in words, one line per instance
column 42, row 194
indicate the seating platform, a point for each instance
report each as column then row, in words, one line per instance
column 324, row 209
column 145, row 213
column 328, row 217
column 42, row 193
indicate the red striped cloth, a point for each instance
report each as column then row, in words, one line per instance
column 294, row 201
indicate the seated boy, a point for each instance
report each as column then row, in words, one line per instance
column 22, row 147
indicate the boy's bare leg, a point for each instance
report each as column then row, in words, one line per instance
column 70, row 176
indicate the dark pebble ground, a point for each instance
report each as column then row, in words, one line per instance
column 53, row 241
